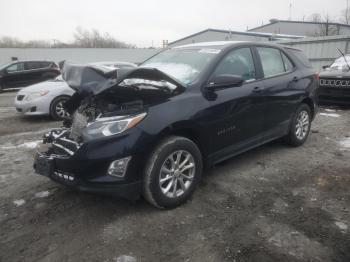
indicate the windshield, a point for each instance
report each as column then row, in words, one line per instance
column 182, row 64
column 2, row 66
column 340, row 63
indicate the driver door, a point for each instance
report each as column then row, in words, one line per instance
column 15, row 76
column 236, row 113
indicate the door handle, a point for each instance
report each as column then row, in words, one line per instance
column 295, row 79
column 257, row 89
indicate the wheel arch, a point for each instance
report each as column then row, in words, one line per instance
column 55, row 99
column 190, row 133
column 308, row 101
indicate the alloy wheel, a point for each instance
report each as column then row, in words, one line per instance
column 60, row 110
column 302, row 125
column 177, row 173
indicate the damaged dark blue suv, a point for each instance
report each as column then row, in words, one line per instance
column 152, row 130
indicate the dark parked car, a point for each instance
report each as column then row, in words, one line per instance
column 153, row 129
column 25, row 73
column 335, row 82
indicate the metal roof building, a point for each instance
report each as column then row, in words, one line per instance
column 209, row 35
column 302, row 28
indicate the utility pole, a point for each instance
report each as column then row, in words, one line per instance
column 290, row 11
column 347, row 12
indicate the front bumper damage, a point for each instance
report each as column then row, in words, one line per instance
column 104, row 161
column 78, row 166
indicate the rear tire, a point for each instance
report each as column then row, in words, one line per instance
column 300, row 126
column 172, row 172
column 57, row 111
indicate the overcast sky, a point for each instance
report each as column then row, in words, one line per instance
column 143, row 21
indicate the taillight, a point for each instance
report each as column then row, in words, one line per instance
column 317, row 76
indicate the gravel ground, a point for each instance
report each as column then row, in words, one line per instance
column 273, row 203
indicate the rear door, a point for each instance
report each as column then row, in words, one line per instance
column 237, row 113
column 33, row 71
column 280, row 92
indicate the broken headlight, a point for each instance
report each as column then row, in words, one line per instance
column 108, row 126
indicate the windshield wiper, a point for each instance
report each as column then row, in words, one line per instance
column 343, row 55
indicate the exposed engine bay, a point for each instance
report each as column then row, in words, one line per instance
column 108, row 101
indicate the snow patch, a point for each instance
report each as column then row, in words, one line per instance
column 6, row 109
column 27, row 145
column 331, row 115
column 330, row 110
column 342, row 226
column 126, row 259
column 19, row 202
column 42, row 194
column 345, row 143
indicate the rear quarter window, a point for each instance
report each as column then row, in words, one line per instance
column 32, row 65
column 45, row 64
column 301, row 57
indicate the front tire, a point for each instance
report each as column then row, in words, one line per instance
column 57, row 111
column 172, row 172
column 300, row 126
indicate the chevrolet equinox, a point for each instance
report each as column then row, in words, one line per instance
column 152, row 130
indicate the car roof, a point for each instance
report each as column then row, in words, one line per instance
column 224, row 44
column 24, row 61
column 113, row 63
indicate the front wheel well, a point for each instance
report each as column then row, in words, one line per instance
column 189, row 134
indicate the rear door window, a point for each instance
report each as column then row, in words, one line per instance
column 271, row 60
column 45, row 64
column 238, row 62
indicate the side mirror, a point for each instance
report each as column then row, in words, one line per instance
column 325, row 66
column 224, row 81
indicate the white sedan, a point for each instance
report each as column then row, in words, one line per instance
column 47, row 98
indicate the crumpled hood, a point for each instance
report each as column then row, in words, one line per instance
column 92, row 80
column 96, row 79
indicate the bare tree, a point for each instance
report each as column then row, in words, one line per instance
column 94, row 39
column 326, row 26
column 7, row 41
column 345, row 16
column 315, row 17
column 12, row 42
column 82, row 38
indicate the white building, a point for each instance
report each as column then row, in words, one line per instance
column 210, row 35
column 302, row 28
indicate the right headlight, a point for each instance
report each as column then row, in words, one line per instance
column 108, row 126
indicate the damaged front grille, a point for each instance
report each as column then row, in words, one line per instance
column 61, row 142
column 80, row 121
